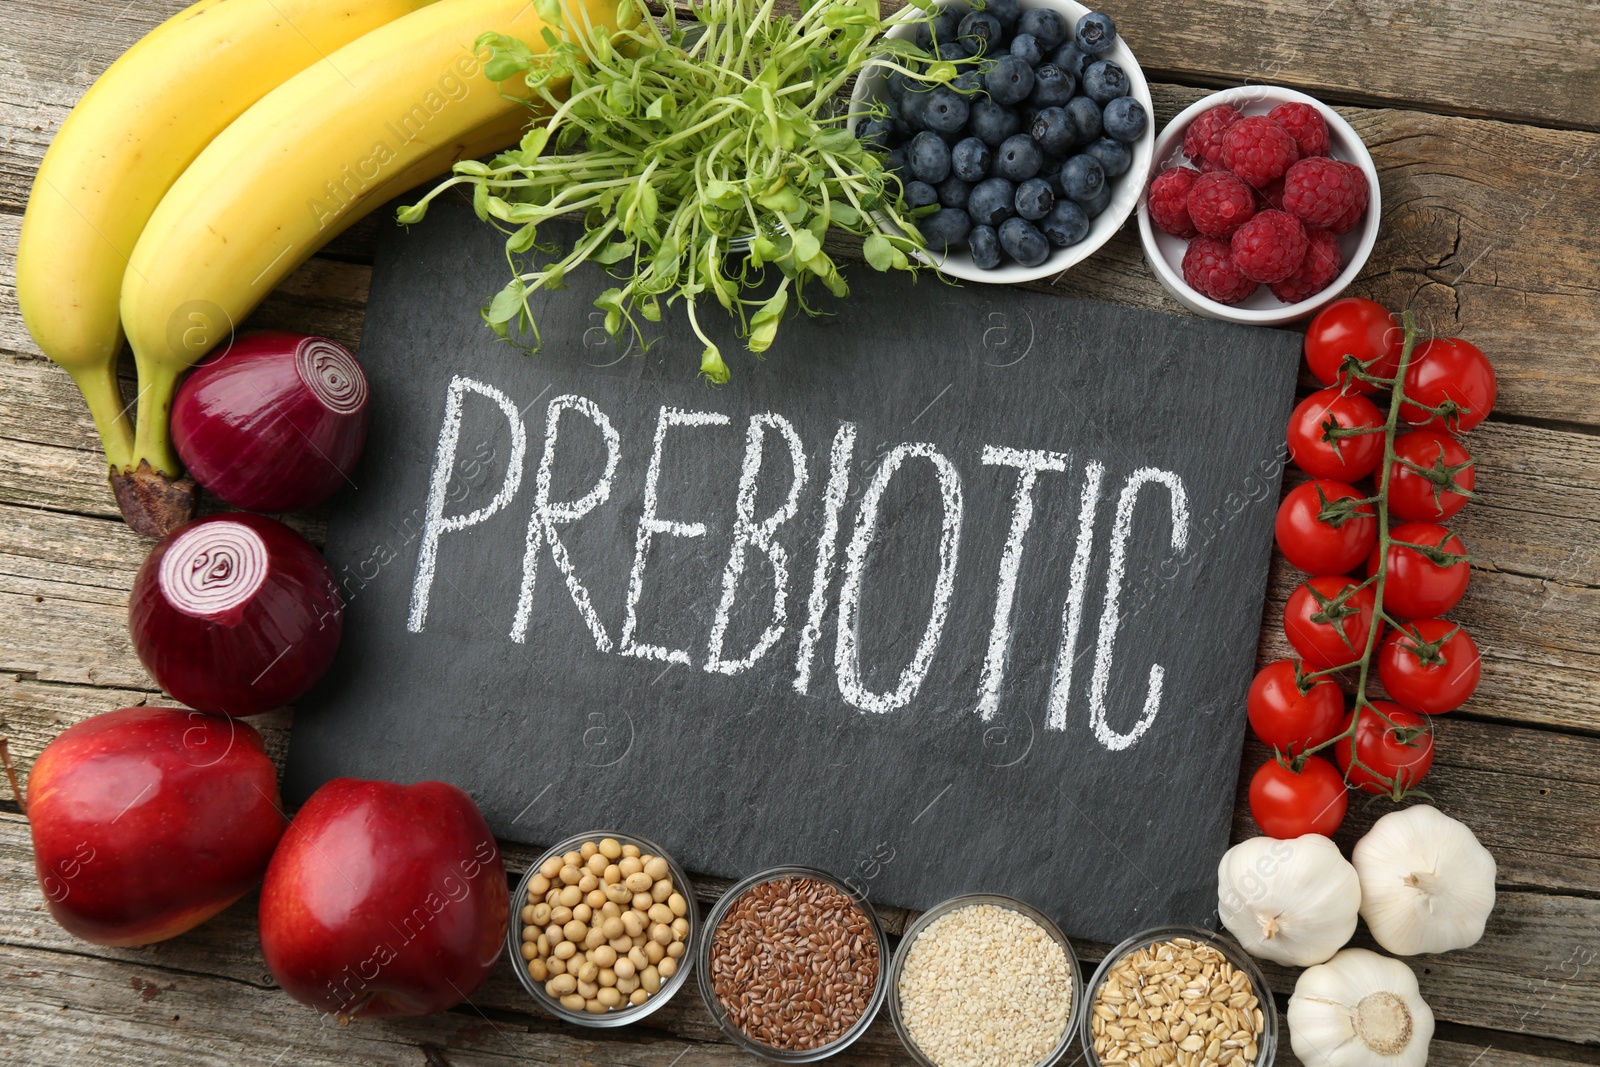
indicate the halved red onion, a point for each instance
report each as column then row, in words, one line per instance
column 235, row 614
column 274, row 423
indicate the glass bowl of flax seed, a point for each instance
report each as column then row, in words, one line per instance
column 792, row 964
column 1178, row 996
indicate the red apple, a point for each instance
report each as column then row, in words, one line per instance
column 384, row 899
column 148, row 821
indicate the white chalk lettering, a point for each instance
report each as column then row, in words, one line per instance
column 547, row 515
column 749, row 534
column 1110, row 617
column 652, row 525
column 1029, row 463
column 844, row 447
column 847, row 657
column 436, row 525
column 1072, row 610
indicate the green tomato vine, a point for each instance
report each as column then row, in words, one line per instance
column 696, row 156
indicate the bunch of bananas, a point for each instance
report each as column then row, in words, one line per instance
column 215, row 157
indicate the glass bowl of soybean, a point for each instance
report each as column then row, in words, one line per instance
column 625, row 1012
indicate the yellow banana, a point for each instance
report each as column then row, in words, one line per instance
column 309, row 158
column 124, row 145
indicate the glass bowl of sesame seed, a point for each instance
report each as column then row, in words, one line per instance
column 1178, row 996
column 791, row 964
column 985, row 981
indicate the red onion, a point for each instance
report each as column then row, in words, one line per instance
column 235, row 614
column 274, row 423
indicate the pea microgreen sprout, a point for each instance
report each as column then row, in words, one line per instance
column 696, row 156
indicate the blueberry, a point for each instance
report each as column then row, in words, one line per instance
column 1114, row 156
column 984, row 244
column 1054, row 131
column 1125, row 119
column 1044, row 25
column 1019, row 158
column 953, row 49
column 1072, row 59
column 1092, row 208
column 1085, row 116
column 970, row 159
column 930, row 157
column 940, row 27
column 1096, row 33
column 991, row 123
column 1008, row 12
column 920, row 194
column 1052, row 86
column 897, row 85
column 911, row 111
column 1023, row 242
column 981, row 31
column 945, row 110
column 896, row 164
column 1009, row 80
column 946, row 228
column 874, row 134
column 992, row 202
column 1067, row 224
column 953, row 192
column 968, row 83
column 1025, row 47
column 1104, row 81
column 1082, row 177
column 1034, row 198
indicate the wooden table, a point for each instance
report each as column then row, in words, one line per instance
column 1482, row 121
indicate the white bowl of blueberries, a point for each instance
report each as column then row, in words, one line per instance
column 1034, row 156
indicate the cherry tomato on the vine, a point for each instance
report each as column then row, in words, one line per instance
column 1328, row 620
column 1314, row 449
column 1429, row 665
column 1289, row 718
column 1287, row 804
column 1418, row 587
column 1393, row 758
column 1355, row 327
column 1448, row 370
column 1321, row 535
column 1428, row 467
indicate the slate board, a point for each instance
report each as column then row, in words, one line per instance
column 1106, row 828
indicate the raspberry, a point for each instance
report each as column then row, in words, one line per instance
column 1348, row 220
column 1209, row 166
column 1220, row 203
column 1321, row 192
column 1169, row 201
column 1258, row 150
column 1209, row 269
column 1321, row 266
column 1305, row 124
column 1270, row 195
column 1270, row 247
column 1203, row 139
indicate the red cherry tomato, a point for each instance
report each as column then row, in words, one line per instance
column 1320, row 455
column 1328, row 620
column 1355, row 327
column 1319, row 534
column 1289, row 718
column 1429, row 465
column 1448, row 369
column 1429, row 665
column 1286, row 804
column 1416, row 586
column 1392, row 758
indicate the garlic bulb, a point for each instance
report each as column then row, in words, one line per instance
column 1360, row 1009
column 1427, row 885
column 1291, row 902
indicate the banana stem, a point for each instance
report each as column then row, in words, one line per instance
column 100, row 389
column 153, row 436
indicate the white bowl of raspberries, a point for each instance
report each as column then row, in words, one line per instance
column 1262, row 206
